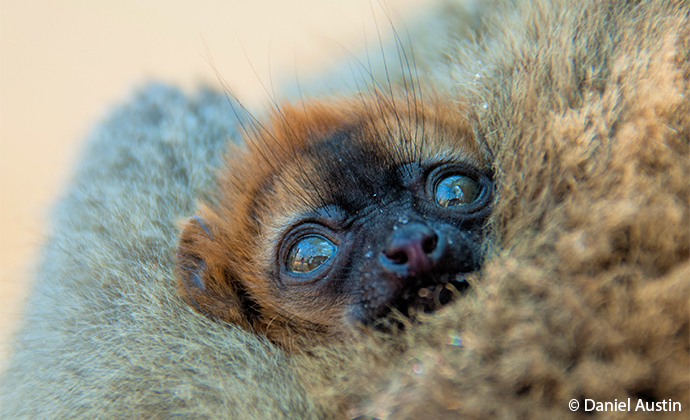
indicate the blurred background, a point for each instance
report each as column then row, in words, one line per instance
column 64, row 64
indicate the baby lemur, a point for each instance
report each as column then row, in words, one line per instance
column 335, row 212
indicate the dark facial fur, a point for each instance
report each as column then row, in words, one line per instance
column 338, row 212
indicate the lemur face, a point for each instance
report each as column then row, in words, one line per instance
column 337, row 214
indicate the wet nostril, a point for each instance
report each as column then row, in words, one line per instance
column 429, row 243
column 397, row 257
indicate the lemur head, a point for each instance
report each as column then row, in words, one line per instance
column 338, row 212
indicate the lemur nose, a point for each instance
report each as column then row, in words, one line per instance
column 412, row 250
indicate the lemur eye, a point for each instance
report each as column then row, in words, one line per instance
column 309, row 253
column 456, row 190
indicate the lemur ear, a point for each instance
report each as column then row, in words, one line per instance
column 211, row 287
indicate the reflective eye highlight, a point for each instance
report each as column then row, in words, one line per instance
column 456, row 190
column 309, row 253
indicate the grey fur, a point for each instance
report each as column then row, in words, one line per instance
column 105, row 333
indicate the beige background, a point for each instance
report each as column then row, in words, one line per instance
column 64, row 63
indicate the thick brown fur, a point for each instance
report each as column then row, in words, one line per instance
column 230, row 247
column 585, row 107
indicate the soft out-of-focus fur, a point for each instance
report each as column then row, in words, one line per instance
column 106, row 334
column 585, row 294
